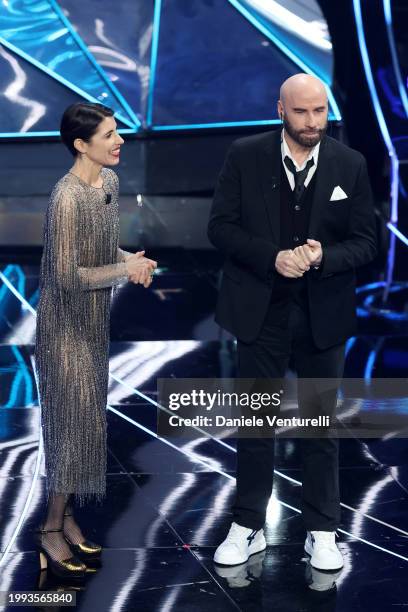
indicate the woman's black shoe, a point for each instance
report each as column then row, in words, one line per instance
column 67, row 568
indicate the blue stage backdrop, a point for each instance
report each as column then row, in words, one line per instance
column 162, row 65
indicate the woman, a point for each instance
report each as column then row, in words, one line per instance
column 81, row 263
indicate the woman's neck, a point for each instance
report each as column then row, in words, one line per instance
column 88, row 171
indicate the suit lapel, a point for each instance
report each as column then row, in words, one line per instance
column 269, row 164
column 324, row 181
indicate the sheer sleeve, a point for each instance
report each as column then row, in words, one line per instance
column 122, row 254
column 103, row 276
column 62, row 236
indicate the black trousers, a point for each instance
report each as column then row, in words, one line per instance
column 286, row 332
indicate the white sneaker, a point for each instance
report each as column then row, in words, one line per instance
column 322, row 548
column 239, row 545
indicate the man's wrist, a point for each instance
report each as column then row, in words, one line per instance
column 274, row 259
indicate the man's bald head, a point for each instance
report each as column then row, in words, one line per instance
column 303, row 108
column 302, row 86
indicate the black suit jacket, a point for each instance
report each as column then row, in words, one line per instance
column 245, row 225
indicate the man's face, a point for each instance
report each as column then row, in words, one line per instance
column 305, row 118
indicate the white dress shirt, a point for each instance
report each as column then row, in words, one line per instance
column 286, row 152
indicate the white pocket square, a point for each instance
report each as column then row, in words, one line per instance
column 338, row 194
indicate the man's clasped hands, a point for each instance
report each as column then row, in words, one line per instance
column 140, row 268
column 294, row 263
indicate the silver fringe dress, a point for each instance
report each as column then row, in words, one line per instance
column 80, row 265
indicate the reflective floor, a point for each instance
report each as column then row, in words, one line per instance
column 168, row 505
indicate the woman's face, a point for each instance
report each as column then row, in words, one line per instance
column 104, row 146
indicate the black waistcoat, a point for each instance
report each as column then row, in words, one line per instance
column 294, row 223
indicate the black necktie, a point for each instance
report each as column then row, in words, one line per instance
column 300, row 176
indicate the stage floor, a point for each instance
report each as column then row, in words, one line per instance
column 168, row 505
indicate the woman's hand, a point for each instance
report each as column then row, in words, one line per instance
column 140, row 268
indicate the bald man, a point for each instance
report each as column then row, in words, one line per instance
column 293, row 216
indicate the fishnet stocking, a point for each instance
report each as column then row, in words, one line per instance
column 71, row 528
column 54, row 543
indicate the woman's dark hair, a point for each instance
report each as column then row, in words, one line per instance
column 81, row 120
